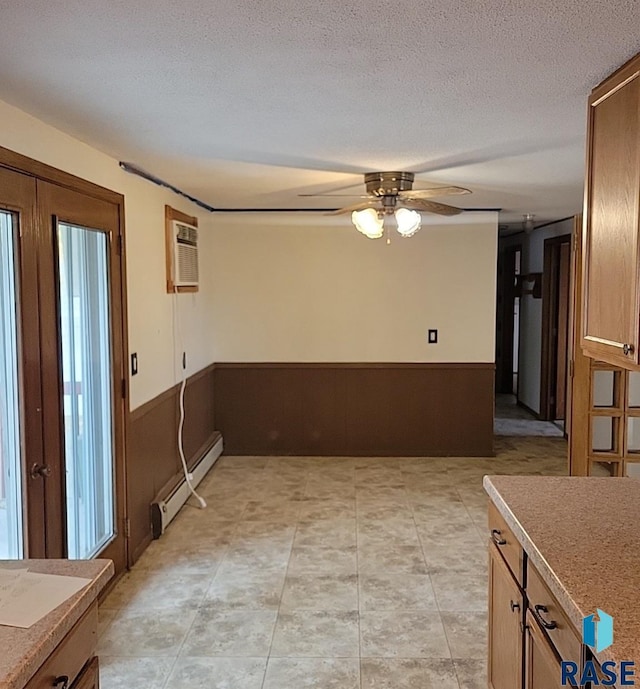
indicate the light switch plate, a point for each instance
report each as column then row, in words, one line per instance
column 432, row 337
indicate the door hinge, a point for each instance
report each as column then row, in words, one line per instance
column 124, row 389
column 127, row 528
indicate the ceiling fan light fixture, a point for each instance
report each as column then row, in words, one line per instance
column 528, row 223
column 408, row 221
column 368, row 222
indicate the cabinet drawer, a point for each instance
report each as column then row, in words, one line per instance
column 549, row 614
column 506, row 543
column 71, row 655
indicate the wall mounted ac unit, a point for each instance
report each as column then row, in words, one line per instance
column 185, row 254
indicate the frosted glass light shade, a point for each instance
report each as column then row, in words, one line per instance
column 408, row 221
column 368, row 222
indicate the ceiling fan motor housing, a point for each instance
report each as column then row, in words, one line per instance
column 388, row 183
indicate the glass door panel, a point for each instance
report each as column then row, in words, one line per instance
column 85, row 340
column 11, row 528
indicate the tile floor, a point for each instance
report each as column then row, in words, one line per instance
column 322, row 573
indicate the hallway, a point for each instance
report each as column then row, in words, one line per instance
column 328, row 573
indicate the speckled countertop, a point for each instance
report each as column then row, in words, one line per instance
column 22, row 651
column 583, row 536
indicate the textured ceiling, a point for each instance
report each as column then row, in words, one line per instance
column 250, row 103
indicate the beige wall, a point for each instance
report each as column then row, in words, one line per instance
column 151, row 315
column 309, row 288
column 290, row 287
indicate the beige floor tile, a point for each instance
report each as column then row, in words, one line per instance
column 312, row 673
column 472, row 674
column 397, row 531
column 322, row 561
column 258, row 590
column 402, row 538
column 217, row 673
column 316, row 634
column 312, row 592
column 146, row 633
column 316, row 509
column 465, row 559
column 456, row 592
column 326, row 533
column 144, row 589
column 184, row 558
column 391, row 559
column 121, row 672
column 377, row 510
column 264, row 533
column 402, row 635
column 385, row 592
column 272, row 510
column 466, row 634
column 243, row 633
column 408, row 673
column 105, row 618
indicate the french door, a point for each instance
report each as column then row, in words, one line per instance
column 61, row 391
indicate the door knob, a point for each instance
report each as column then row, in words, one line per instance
column 43, row 470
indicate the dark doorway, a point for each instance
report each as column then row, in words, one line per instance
column 555, row 328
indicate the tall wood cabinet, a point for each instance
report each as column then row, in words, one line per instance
column 611, row 234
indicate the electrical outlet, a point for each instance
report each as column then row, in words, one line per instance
column 432, row 336
column 134, row 364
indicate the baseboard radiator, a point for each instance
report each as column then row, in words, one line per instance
column 163, row 511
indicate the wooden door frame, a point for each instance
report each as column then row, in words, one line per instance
column 19, row 163
column 549, row 318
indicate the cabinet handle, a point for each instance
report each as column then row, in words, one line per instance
column 536, row 613
column 61, row 682
column 514, row 606
column 496, row 536
column 627, row 349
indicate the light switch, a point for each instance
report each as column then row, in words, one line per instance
column 432, row 337
column 134, row 363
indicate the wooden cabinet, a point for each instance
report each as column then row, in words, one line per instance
column 611, row 231
column 529, row 632
column 90, row 677
column 542, row 670
column 505, row 625
column 72, row 664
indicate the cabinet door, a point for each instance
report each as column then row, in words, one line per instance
column 505, row 625
column 543, row 669
column 90, row 677
column 611, row 293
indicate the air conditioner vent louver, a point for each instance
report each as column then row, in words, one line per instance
column 185, row 256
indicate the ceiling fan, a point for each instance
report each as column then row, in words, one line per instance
column 392, row 194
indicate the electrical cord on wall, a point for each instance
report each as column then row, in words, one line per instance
column 187, row 474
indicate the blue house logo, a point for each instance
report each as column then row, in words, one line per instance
column 598, row 633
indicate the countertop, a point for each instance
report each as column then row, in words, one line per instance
column 583, row 536
column 24, row 650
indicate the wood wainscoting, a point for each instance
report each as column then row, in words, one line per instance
column 355, row 409
column 153, row 462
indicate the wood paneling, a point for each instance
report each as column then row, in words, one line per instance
column 152, row 458
column 355, row 409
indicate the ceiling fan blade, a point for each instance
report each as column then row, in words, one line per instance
column 431, row 193
column 431, row 207
column 342, row 196
column 355, row 207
